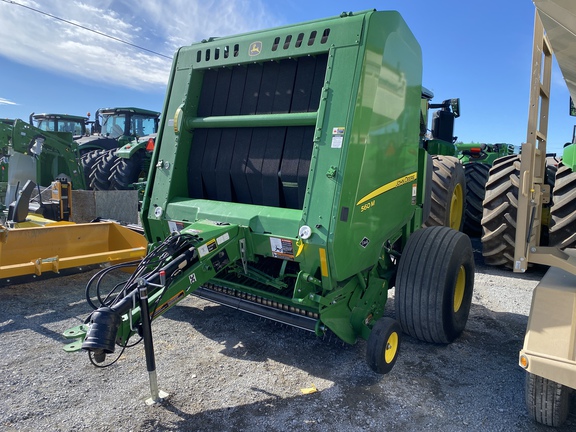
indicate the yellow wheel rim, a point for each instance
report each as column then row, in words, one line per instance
column 456, row 207
column 459, row 289
column 391, row 347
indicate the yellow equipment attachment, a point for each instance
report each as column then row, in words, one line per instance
column 34, row 250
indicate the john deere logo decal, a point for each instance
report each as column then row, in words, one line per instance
column 255, row 49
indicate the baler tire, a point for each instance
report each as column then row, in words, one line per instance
column 100, row 175
column 477, row 175
column 383, row 345
column 547, row 402
column 434, row 284
column 500, row 208
column 562, row 231
column 448, row 193
column 126, row 171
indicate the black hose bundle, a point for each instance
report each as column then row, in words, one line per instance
column 148, row 269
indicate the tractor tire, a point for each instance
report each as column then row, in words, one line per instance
column 88, row 160
column 434, row 284
column 562, row 232
column 100, row 174
column 126, row 171
column 383, row 345
column 448, row 193
column 548, row 402
column 476, row 178
column 499, row 213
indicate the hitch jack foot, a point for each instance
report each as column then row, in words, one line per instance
column 156, row 396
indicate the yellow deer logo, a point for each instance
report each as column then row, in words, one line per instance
column 255, row 49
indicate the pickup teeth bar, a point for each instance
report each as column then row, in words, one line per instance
column 259, row 306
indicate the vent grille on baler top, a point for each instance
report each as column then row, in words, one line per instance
column 223, row 53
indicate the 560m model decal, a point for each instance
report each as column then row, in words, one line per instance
column 389, row 186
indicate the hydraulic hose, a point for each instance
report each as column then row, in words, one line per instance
column 105, row 321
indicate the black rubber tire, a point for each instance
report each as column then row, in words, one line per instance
column 500, row 207
column 383, row 345
column 88, row 160
column 547, row 402
column 434, row 284
column 100, row 174
column 126, row 171
column 476, row 178
column 562, row 231
column 448, row 193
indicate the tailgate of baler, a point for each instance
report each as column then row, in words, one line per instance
column 32, row 251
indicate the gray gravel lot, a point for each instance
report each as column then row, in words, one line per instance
column 225, row 370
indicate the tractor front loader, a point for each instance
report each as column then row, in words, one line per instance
column 290, row 180
column 30, row 153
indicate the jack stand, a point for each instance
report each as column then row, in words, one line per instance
column 156, row 395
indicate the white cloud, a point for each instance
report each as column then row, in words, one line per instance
column 6, row 102
column 37, row 40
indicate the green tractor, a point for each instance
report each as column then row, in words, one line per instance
column 448, row 183
column 117, row 154
column 477, row 159
column 290, row 180
column 460, row 170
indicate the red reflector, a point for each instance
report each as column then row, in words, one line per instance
column 150, row 144
column 476, row 150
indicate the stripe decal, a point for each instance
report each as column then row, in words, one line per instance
column 389, row 186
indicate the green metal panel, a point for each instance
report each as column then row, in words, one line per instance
column 378, row 165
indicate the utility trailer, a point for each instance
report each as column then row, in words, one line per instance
column 290, row 181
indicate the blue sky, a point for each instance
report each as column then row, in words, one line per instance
column 479, row 51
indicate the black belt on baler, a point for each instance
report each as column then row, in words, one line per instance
column 256, row 165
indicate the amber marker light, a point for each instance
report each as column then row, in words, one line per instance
column 524, row 361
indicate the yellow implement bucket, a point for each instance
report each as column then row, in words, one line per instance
column 27, row 251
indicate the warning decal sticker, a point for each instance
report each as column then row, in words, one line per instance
column 205, row 249
column 282, row 248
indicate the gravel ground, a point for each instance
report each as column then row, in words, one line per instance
column 225, row 370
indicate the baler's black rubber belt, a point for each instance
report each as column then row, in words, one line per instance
column 284, row 87
column 207, row 93
column 271, row 167
column 235, row 96
column 209, row 161
column 289, row 165
column 318, row 82
column 304, row 165
column 223, row 165
column 254, row 164
column 195, row 188
column 251, row 89
column 222, row 91
column 303, row 84
column 238, row 165
column 267, row 87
